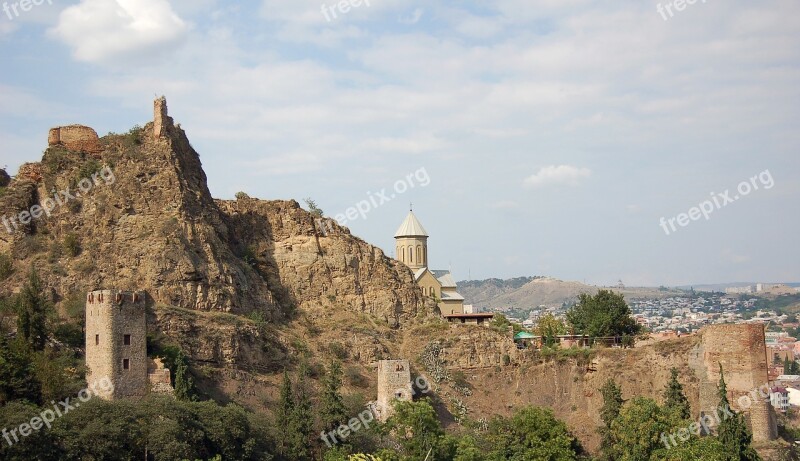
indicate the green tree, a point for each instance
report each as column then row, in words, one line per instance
column 612, row 405
column 284, row 414
column 32, row 312
column 732, row 431
column 313, row 208
column 301, row 421
column 184, row 383
column 605, row 314
column 549, row 327
column 332, row 410
column 674, row 398
column 790, row 367
column 645, row 431
column 531, row 433
column 416, row 428
column 17, row 372
column 467, row 450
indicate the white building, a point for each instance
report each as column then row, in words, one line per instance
column 779, row 398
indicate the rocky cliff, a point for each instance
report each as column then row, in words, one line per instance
column 136, row 214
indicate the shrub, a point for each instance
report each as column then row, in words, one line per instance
column 133, row 137
column 71, row 245
column 6, row 266
column 338, row 350
column 75, row 206
column 88, row 169
column 242, row 196
column 353, row 375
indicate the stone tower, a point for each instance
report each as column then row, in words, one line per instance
column 161, row 120
column 116, row 344
column 411, row 243
column 394, row 383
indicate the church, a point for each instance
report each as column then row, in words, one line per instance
column 411, row 248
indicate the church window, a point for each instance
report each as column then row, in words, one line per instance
column 96, row 340
column 126, row 364
column 126, row 340
column 411, row 254
column 419, row 254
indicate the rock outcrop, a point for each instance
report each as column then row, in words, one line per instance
column 148, row 222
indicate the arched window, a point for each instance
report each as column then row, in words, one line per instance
column 419, row 255
column 411, row 254
column 402, row 252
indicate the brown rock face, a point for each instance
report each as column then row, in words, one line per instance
column 76, row 138
column 5, row 179
column 150, row 224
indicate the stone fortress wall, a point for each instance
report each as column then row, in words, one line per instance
column 76, row 138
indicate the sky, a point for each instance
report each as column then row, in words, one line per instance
column 533, row 137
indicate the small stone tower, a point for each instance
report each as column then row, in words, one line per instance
column 161, row 120
column 411, row 243
column 394, row 383
column 116, row 344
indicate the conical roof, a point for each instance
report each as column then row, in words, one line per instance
column 411, row 227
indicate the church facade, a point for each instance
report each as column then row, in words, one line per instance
column 411, row 248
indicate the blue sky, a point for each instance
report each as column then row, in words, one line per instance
column 555, row 134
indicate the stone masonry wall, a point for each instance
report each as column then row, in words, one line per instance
column 741, row 350
column 76, row 138
column 394, row 383
column 110, row 315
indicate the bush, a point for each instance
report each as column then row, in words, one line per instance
column 6, row 266
column 242, row 196
column 133, row 137
column 88, row 169
column 353, row 375
column 338, row 350
column 71, row 245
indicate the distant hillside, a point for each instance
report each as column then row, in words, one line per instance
column 531, row 292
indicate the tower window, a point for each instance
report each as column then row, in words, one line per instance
column 126, row 364
column 411, row 254
column 126, row 340
column 96, row 340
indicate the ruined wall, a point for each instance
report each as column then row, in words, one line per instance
column 110, row 316
column 394, row 383
column 741, row 350
column 76, row 138
column 161, row 121
column 159, row 377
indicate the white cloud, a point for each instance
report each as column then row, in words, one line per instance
column 7, row 28
column 413, row 18
column 97, row 30
column 557, row 175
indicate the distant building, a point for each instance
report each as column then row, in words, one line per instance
column 779, row 398
column 739, row 290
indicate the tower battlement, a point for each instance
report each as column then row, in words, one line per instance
column 116, row 342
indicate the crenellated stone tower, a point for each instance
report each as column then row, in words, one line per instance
column 116, row 342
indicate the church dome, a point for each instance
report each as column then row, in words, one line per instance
column 411, row 227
